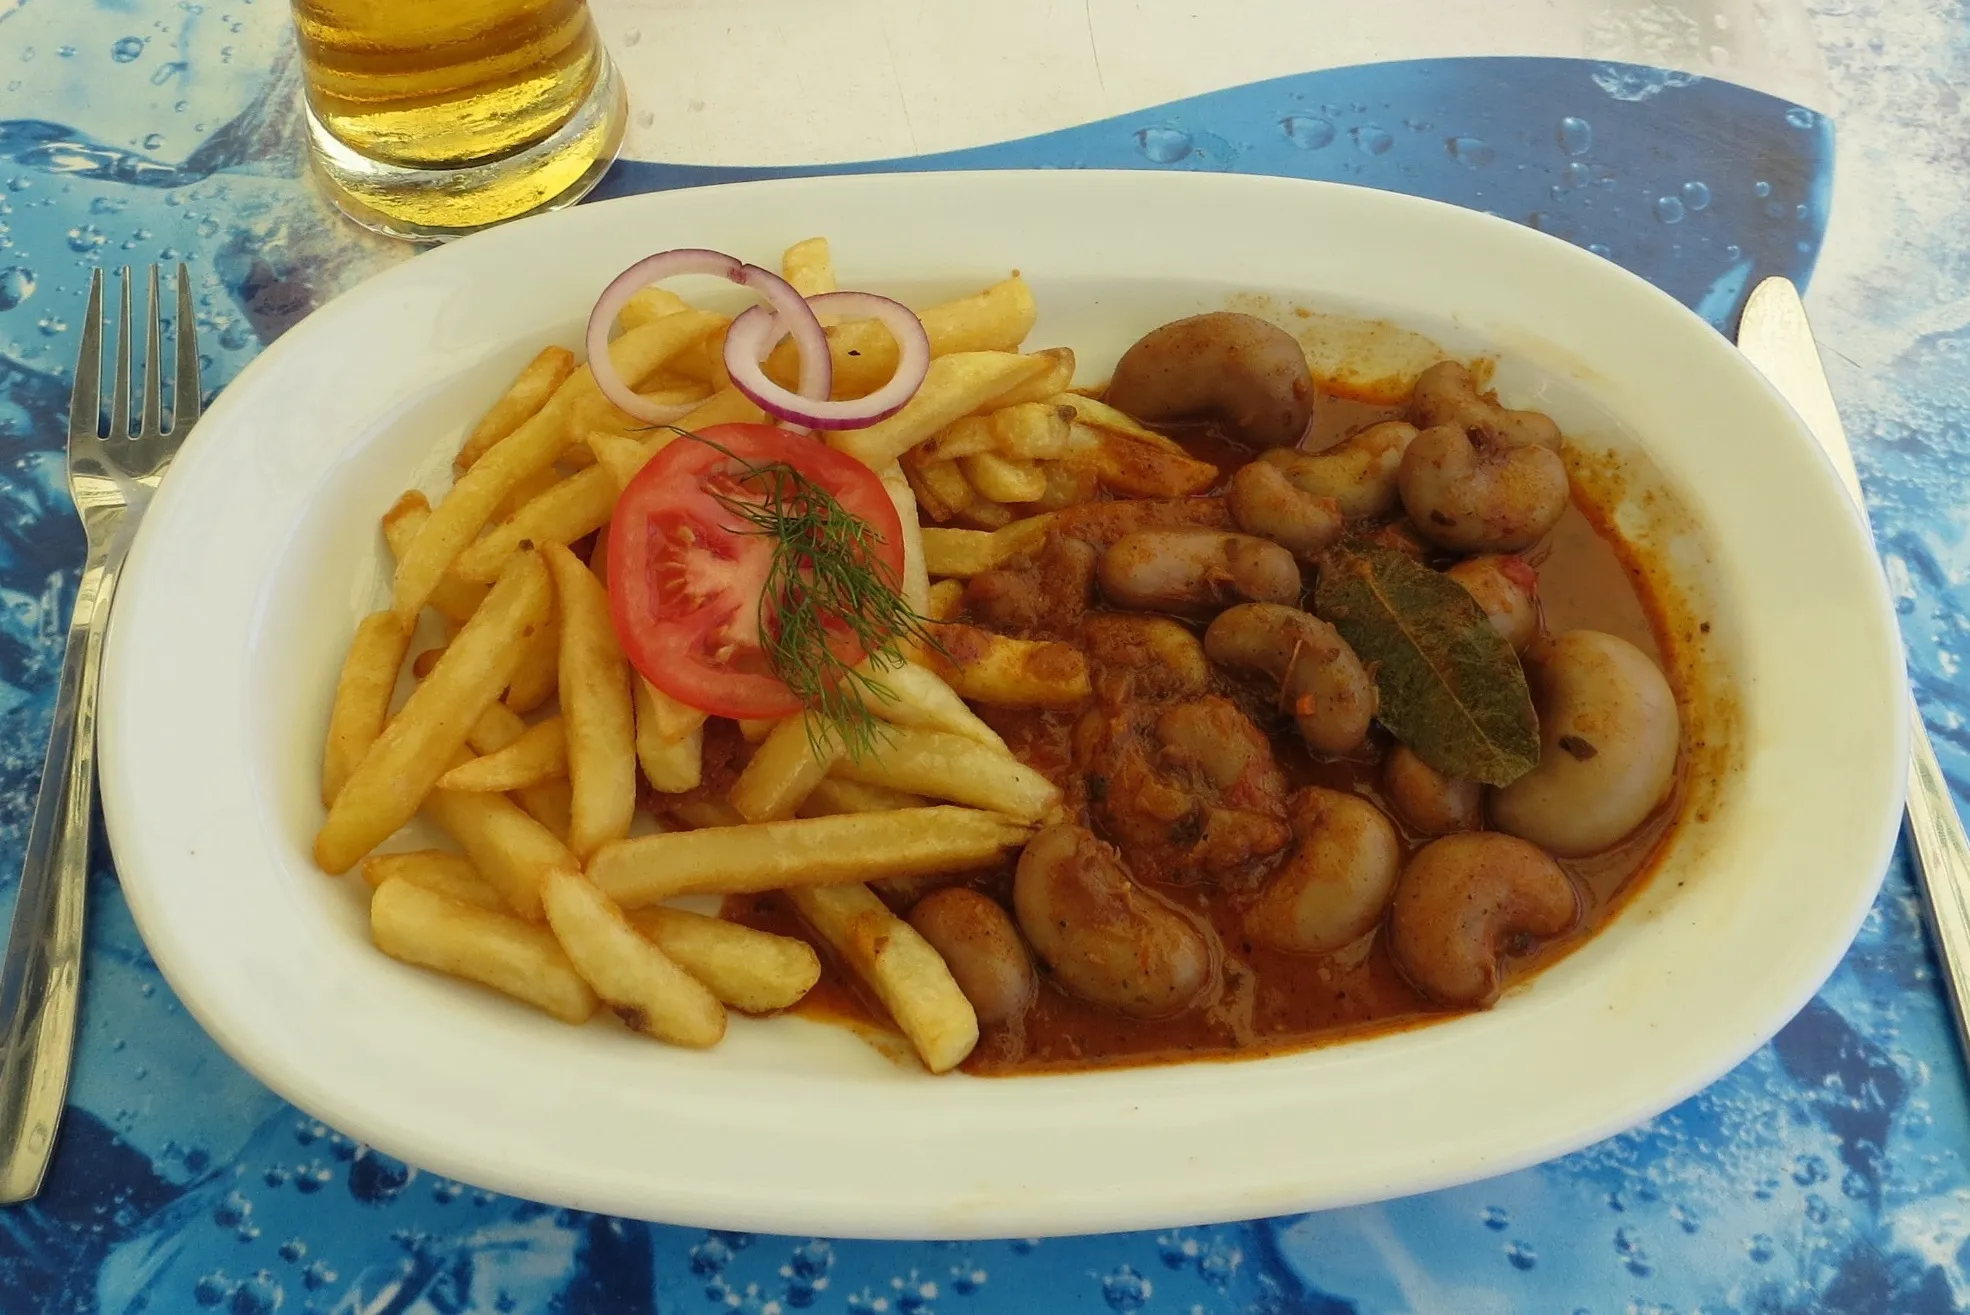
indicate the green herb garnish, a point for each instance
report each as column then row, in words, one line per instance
column 826, row 590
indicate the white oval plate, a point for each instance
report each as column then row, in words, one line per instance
column 262, row 551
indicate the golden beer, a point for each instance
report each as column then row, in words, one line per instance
column 434, row 117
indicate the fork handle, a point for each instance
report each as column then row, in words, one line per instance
column 41, row 976
column 1942, row 861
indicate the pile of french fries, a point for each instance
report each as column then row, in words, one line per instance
column 491, row 696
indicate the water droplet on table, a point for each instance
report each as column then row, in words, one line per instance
column 153, row 141
column 66, row 52
column 1760, row 1247
column 1163, row 145
column 1576, row 135
column 1307, row 131
column 1473, row 152
column 1696, row 195
column 1761, row 188
column 1372, row 139
column 213, row 1288
column 1126, row 1291
column 126, row 49
column 86, row 237
column 1801, row 117
column 16, row 286
column 1496, row 1218
column 1669, row 209
column 1521, row 1255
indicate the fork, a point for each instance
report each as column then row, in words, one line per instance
column 111, row 481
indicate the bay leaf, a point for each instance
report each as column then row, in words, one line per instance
column 1450, row 688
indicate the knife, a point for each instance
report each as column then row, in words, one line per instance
column 1775, row 336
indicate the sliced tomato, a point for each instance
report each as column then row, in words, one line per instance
column 686, row 572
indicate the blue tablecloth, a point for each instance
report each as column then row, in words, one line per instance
column 1828, row 1173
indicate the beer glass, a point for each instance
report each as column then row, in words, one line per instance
column 431, row 118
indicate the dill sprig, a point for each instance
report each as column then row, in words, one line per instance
column 825, row 590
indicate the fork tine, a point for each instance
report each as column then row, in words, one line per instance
column 185, row 392
column 85, row 406
column 153, row 418
column 119, row 404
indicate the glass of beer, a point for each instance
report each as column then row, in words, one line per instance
column 432, row 118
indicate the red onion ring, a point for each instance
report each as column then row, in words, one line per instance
column 816, row 367
column 755, row 334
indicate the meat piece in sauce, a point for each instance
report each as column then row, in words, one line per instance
column 1044, row 597
column 1101, row 523
column 1188, row 789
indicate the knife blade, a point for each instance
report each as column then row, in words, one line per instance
column 1775, row 336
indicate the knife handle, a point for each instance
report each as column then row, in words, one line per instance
column 1943, row 865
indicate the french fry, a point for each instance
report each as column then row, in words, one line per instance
column 966, row 553
column 984, row 514
column 1008, row 673
column 702, row 813
column 899, row 965
column 551, row 803
column 538, row 677
column 362, row 696
column 809, row 267
column 1069, row 484
column 834, row 796
column 755, row 729
column 571, row 509
column 622, row 456
column 437, row 870
column 541, row 754
column 422, row 927
column 961, row 438
column 547, row 803
column 953, row 767
column 1057, row 378
column 1004, row 479
column 524, row 492
column 864, row 354
column 953, row 387
column 417, row 746
column 641, row 984
column 940, row 487
column 704, row 362
column 727, row 406
column 803, row 851
column 669, row 719
column 453, row 597
column 526, row 395
column 916, row 577
column 597, row 414
column 647, row 305
column 911, row 695
column 671, row 766
column 534, row 445
column 1100, row 415
column 595, row 703
column 510, row 849
column 1033, row 431
column 1129, row 465
column 713, row 371
column 750, row 970
column 946, row 601
column 790, row 761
